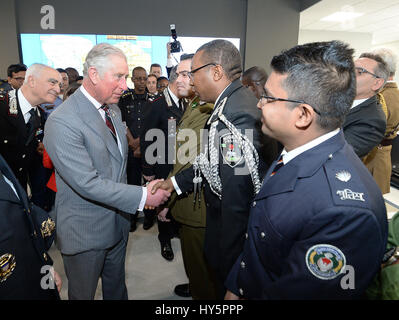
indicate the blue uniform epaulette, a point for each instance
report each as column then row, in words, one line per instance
column 345, row 184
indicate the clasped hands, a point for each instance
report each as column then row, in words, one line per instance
column 158, row 192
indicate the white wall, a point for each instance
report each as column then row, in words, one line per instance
column 361, row 42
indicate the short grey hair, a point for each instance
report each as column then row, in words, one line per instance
column 35, row 70
column 390, row 59
column 98, row 57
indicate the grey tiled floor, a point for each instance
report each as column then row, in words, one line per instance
column 148, row 275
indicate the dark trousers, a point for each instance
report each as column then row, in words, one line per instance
column 167, row 230
column 202, row 286
column 134, row 174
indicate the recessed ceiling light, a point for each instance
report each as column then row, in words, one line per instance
column 342, row 16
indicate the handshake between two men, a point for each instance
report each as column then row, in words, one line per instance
column 158, row 192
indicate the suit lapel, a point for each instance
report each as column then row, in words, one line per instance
column 91, row 116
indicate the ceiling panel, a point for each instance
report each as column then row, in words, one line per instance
column 380, row 17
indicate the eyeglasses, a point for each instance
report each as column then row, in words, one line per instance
column 360, row 71
column 191, row 74
column 267, row 99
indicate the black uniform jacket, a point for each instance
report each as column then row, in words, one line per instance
column 158, row 150
column 364, row 126
column 17, row 146
column 227, row 219
column 26, row 233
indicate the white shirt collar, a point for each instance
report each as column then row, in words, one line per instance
column 288, row 156
column 357, row 102
column 174, row 98
column 23, row 103
column 91, row 99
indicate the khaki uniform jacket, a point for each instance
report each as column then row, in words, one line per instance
column 194, row 118
column 391, row 96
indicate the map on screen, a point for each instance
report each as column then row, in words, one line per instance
column 70, row 50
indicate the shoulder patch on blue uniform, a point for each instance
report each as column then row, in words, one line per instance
column 346, row 186
column 325, row 261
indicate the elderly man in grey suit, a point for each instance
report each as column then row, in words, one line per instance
column 86, row 141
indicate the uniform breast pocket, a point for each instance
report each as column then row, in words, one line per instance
column 270, row 245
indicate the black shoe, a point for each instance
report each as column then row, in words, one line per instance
column 148, row 221
column 183, row 290
column 133, row 225
column 167, row 252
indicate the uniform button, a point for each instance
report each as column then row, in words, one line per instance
column 242, row 264
column 45, row 256
column 23, row 156
column 138, row 118
column 262, row 234
column 254, row 203
column 246, row 235
column 5, row 141
column 330, row 156
column 241, row 291
column 20, row 169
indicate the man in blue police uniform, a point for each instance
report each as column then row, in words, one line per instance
column 26, row 233
column 318, row 226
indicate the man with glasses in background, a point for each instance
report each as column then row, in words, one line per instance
column 318, row 205
column 365, row 124
column 15, row 77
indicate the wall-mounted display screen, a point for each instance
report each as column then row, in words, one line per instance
column 70, row 50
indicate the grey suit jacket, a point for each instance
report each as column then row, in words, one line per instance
column 93, row 199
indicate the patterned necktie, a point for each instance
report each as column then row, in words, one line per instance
column 108, row 120
column 279, row 164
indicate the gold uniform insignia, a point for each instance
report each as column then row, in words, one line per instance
column 7, row 266
column 47, row 227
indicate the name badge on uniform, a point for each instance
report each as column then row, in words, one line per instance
column 230, row 149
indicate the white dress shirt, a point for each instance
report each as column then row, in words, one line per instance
column 25, row 106
column 288, row 156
